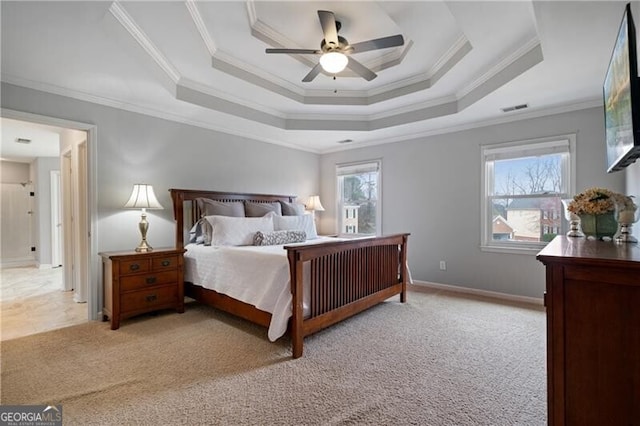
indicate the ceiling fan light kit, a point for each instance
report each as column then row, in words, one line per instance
column 334, row 62
column 334, row 50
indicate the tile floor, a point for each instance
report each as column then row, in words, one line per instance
column 31, row 301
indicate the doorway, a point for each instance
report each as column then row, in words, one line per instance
column 82, row 217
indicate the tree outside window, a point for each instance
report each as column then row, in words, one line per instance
column 359, row 198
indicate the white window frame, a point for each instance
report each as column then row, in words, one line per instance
column 343, row 169
column 518, row 149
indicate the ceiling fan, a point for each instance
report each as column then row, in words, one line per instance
column 335, row 50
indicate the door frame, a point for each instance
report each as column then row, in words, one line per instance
column 56, row 220
column 91, row 276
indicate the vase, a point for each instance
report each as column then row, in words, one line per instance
column 599, row 225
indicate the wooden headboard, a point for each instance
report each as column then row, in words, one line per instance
column 186, row 211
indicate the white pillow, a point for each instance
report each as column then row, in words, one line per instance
column 289, row 223
column 237, row 231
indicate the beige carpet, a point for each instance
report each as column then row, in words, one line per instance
column 440, row 359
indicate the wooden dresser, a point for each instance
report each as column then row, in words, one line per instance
column 593, row 332
column 136, row 283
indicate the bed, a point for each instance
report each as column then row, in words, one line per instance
column 328, row 280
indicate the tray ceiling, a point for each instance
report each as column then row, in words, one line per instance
column 204, row 63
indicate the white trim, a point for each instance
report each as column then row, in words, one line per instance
column 238, row 131
column 487, row 243
column 123, row 17
column 478, row 292
column 201, row 26
column 16, row 263
column 45, row 266
column 94, row 289
column 499, row 67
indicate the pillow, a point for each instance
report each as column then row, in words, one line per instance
column 304, row 223
column 218, row 208
column 237, row 231
column 292, row 209
column 278, row 237
column 260, row 209
column 201, row 233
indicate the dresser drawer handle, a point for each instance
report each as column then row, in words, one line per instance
column 134, row 266
column 151, row 297
column 166, row 262
column 151, row 280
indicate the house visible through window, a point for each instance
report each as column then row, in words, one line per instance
column 523, row 185
column 359, row 198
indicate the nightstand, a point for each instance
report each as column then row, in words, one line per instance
column 137, row 283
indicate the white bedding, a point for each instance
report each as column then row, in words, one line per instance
column 255, row 275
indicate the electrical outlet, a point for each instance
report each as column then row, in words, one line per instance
column 443, row 265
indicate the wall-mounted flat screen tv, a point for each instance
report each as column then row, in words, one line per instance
column 621, row 99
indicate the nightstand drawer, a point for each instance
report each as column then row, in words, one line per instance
column 134, row 266
column 162, row 263
column 149, row 299
column 134, row 282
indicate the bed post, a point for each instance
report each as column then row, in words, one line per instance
column 404, row 268
column 178, row 214
column 295, row 270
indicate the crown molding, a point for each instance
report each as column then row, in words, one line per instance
column 127, row 22
column 406, row 137
column 511, row 118
column 498, row 67
column 196, row 17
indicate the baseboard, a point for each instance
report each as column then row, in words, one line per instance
column 16, row 263
column 477, row 292
column 45, row 266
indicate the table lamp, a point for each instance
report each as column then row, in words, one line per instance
column 143, row 197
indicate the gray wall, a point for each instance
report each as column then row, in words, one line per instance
column 135, row 148
column 431, row 188
column 42, row 210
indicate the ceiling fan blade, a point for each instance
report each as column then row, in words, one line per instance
column 313, row 73
column 361, row 70
column 328, row 23
column 378, row 43
column 294, row 51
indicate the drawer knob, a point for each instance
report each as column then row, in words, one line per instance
column 151, row 280
column 134, row 266
column 151, row 297
column 166, row 262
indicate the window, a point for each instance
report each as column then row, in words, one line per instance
column 359, row 203
column 523, row 185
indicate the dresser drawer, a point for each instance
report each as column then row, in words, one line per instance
column 135, row 282
column 134, row 266
column 148, row 299
column 162, row 263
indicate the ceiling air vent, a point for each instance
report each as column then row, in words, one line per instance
column 23, row 140
column 515, row 108
column 346, row 141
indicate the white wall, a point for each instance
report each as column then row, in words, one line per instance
column 14, row 172
column 431, row 188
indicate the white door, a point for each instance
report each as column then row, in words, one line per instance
column 16, row 225
column 56, row 220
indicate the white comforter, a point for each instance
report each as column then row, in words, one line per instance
column 258, row 276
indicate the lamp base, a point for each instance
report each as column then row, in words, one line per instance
column 144, row 247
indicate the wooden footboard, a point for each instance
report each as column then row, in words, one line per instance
column 346, row 277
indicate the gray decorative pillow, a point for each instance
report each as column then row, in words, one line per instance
column 292, row 209
column 278, row 237
column 212, row 207
column 260, row 209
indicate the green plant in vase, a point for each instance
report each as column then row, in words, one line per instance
column 596, row 208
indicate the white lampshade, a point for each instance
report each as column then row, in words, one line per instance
column 143, row 197
column 333, row 62
column 314, row 204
